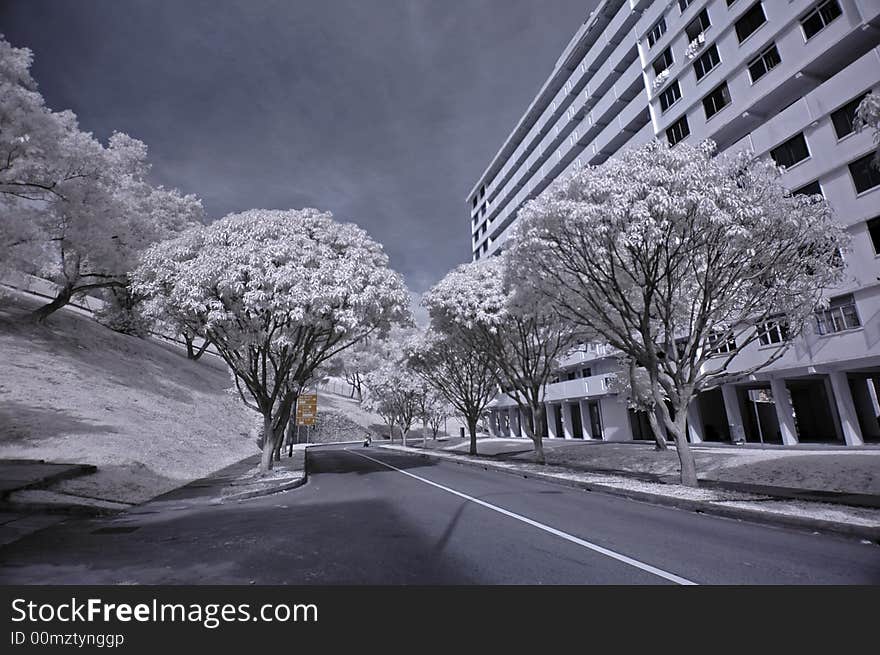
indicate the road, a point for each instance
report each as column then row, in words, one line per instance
column 372, row 516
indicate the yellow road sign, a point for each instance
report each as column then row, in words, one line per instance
column 307, row 409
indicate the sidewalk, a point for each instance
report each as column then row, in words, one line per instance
column 863, row 522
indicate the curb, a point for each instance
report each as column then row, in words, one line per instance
column 287, row 486
column 696, row 506
column 247, row 495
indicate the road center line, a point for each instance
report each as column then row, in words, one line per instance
column 541, row 526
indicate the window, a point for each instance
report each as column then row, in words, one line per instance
column 791, row 152
column 841, row 315
column 716, row 100
column 773, row 331
column 698, row 25
column 663, row 62
column 843, row 118
column 684, row 4
column 677, row 131
column 720, row 343
column 669, row 96
column 811, row 189
column 706, row 62
column 816, row 20
column 864, row 173
column 656, row 32
column 475, row 201
column 750, row 21
column 874, row 233
column 763, row 63
column 586, row 372
column 730, row 2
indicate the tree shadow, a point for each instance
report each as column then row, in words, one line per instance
column 21, row 423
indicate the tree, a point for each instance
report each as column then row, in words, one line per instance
column 368, row 355
column 868, row 116
column 277, row 293
column 459, row 374
column 396, row 395
column 520, row 336
column 681, row 260
column 42, row 153
column 72, row 210
column 95, row 232
column 633, row 384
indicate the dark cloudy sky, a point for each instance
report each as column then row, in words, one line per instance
column 381, row 111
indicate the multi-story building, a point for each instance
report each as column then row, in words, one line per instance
column 779, row 77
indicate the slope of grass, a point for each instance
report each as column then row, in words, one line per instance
column 151, row 420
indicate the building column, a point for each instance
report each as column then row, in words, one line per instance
column 846, row 409
column 784, row 411
column 586, row 424
column 734, row 416
column 550, row 412
column 493, row 426
column 695, row 421
column 513, row 419
column 524, row 420
column 567, row 421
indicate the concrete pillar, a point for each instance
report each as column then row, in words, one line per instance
column 551, row 420
column 734, row 416
column 695, row 422
column 493, row 425
column 784, row 411
column 567, row 421
column 849, row 420
column 513, row 417
column 586, row 425
column 524, row 419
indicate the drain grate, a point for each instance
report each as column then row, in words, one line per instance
column 119, row 529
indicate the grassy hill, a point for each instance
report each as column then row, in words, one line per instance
column 149, row 418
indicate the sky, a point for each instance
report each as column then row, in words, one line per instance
column 384, row 112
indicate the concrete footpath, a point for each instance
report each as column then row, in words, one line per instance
column 862, row 522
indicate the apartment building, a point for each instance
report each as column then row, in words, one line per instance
column 779, row 77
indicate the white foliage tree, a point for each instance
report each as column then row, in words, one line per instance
column 459, row 374
column 521, row 337
column 395, row 394
column 681, row 260
column 72, row 210
column 868, row 117
column 277, row 293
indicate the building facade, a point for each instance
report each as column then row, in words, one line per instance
column 779, row 77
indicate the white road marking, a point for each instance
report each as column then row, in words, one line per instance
column 666, row 575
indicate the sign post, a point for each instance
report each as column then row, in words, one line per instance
column 306, row 411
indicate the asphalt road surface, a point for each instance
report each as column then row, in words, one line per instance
column 371, row 516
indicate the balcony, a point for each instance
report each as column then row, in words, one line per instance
column 596, row 385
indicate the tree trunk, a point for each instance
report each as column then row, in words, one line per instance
column 657, row 431
column 535, row 431
column 472, row 429
column 268, row 445
column 685, row 454
column 424, row 433
column 63, row 298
